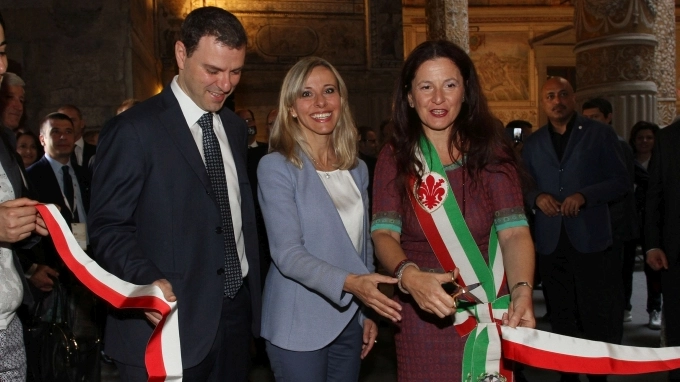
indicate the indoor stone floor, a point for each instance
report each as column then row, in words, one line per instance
column 380, row 364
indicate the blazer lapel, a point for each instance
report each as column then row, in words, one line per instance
column 548, row 148
column 173, row 121
column 576, row 135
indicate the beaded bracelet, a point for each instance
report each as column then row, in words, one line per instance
column 521, row 284
column 400, row 272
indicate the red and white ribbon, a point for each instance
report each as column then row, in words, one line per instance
column 163, row 356
column 575, row 355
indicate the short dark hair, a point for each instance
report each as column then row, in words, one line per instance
column 54, row 116
column 212, row 21
column 519, row 123
column 601, row 104
column 74, row 108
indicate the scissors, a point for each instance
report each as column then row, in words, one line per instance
column 462, row 293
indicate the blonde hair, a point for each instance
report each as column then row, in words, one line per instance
column 286, row 134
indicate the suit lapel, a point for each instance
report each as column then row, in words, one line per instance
column 174, row 122
column 237, row 143
column 575, row 136
column 548, row 148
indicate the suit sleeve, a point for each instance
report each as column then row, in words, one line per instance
column 615, row 181
column 654, row 200
column 365, row 179
column 532, row 193
column 276, row 190
column 118, row 180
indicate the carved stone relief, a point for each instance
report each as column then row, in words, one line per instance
column 502, row 62
column 594, row 18
column 614, row 64
column 387, row 38
column 664, row 73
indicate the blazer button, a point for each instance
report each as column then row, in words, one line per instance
column 218, row 230
column 561, row 188
column 220, row 271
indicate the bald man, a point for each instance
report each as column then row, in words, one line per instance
column 577, row 171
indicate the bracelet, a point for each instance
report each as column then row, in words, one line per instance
column 399, row 266
column 400, row 272
column 521, row 284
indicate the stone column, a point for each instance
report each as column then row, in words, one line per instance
column 664, row 73
column 448, row 20
column 615, row 55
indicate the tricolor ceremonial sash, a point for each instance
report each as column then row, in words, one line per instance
column 489, row 342
column 163, row 356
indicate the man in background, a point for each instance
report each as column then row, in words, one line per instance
column 83, row 151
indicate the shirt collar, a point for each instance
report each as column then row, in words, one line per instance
column 56, row 166
column 570, row 124
column 80, row 142
column 192, row 113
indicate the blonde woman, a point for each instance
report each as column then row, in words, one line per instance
column 313, row 194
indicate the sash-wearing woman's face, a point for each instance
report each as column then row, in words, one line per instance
column 317, row 109
column 437, row 93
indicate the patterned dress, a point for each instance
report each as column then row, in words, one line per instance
column 429, row 349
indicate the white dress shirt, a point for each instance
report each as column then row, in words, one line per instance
column 192, row 113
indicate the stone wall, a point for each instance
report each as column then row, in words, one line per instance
column 69, row 51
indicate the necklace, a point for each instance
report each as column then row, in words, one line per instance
column 319, row 166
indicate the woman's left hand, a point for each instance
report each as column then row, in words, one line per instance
column 521, row 310
column 370, row 334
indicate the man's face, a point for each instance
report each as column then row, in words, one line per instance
column 369, row 144
column 58, row 138
column 558, row 100
column 78, row 123
column 211, row 73
column 11, row 105
column 596, row 114
column 250, row 121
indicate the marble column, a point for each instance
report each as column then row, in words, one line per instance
column 448, row 20
column 615, row 58
column 664, row 71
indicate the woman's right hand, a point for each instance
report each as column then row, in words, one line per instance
column 426, row 289
column 365, row 288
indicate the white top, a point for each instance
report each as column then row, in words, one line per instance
column 347, row 200
column 78, row 149
column 192, row 113
column 11, row 290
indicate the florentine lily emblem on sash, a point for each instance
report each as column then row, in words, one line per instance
column 431, row 192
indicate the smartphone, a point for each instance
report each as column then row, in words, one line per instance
column 517, row 134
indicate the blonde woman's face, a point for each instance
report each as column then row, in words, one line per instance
column 317, row 108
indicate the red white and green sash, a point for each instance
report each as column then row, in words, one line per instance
column 163, row 356
column 442, row 221
column 489, row 342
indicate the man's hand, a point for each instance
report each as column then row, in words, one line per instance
column 572, row 205
column 18, row 219
column 153, row 316
column 548, row 204
column 43, row 278
column 656, row 259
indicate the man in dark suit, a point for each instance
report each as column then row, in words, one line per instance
column 577, row 171
column 57, row 181
column 662, row 222
column 623, row 212
column 172, row 206
column 82, row 151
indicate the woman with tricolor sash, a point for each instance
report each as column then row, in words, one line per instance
column 448, row 207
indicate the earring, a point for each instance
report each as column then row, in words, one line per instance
column 293, row 115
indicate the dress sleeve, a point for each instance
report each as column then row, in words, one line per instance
column 387, row 208
column 505, row 191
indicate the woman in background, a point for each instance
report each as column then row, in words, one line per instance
column 29, row 148
column 312, row 191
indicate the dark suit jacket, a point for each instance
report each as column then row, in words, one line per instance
column 624, row 218
column 88, row 152
column 662, row 215
column 591, row 166
column 46, row 189
column 154, row 216
column 13, row 169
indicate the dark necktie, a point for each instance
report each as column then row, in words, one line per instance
column 215, row 167
column 69, row 193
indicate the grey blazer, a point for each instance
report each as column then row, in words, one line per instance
column 304, row 306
